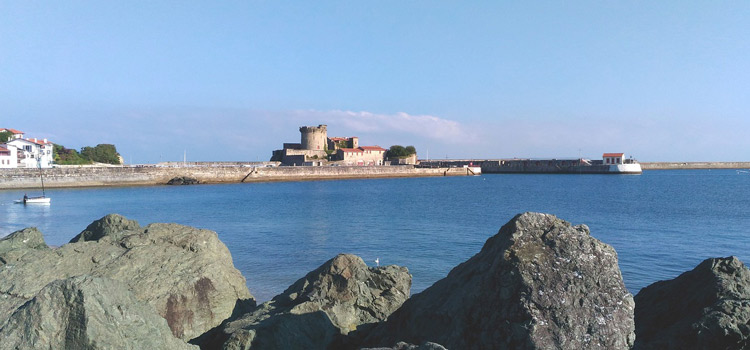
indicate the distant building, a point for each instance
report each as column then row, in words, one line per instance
column 16, row 134
column 8, row 156
column 315, row 147
column 613, row 158
column 363, row 155
column 32, row 153
column 335, row 143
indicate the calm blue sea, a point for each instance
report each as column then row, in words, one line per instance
column 661, row 223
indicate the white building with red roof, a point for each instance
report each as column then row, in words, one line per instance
column 32, row 152
column 362, row 155
column 8, row 156
column 613, row 158
column 16, row 133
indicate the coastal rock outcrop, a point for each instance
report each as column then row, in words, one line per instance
column 335, row 299
column 28, row 238
column 183, row 180
column 540, row 283
column 185, row 274
column 87, row 312
column 705, row 308
column 407, row 346
column 109, row 225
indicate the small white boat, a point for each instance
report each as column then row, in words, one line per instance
column 34, row 200
column 43, row 199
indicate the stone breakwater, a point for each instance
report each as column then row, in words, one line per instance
column 694, row 165
column 145, row 176
column 539, row 283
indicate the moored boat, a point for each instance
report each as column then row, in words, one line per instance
column 43, row 199
column 34, row 200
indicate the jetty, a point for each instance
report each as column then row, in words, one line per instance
column 611, row 163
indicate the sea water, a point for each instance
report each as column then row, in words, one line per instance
column 661, row 223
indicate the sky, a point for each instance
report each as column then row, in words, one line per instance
column 233, row 80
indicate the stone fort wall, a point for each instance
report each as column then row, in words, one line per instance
column 144, row 176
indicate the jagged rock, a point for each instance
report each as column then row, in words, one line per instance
column 407, row 346
column 87, row 312
column 705, row 308
column 336, row 298
column 185, row 273
column 29, row 237
column 183, row 180
column 112, row 224
column 540, row 283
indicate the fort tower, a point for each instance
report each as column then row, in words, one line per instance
column 314, row 137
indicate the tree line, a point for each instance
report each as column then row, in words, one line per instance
column 398, row 151
column 102, row 153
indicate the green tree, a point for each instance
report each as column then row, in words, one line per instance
column 102, row 153
column 5, row 136
column 398, row 151
column 64, row 156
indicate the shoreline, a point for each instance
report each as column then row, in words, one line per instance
column 127, row 176
column 92, row 177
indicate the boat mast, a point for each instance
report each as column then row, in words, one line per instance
column 39, row 164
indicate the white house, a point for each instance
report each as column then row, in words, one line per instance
column 33, row 153
column 8, row 156
column 16, row 134
column 613, row 158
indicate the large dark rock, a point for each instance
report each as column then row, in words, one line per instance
column 333, row 300
column 30, row 238
column 407, row 346
column 87, row 312
column 183, row 180
column 705, row 308
column 112, row 224
column 540, row 283
column 185, row 274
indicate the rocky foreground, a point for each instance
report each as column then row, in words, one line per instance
column 540, row 283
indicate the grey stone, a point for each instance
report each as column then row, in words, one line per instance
column 407, row 346
column 90, row 313
column 112, row 224
column 29, row 237
column 185, row 274
column 183, row 180
column 540, row 283
column 338, row 297
column 705, row 308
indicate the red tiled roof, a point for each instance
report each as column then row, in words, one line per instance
column 14, row 131
column 372, row 148
column 351, row 150
column 613, row 155
column 39, row 141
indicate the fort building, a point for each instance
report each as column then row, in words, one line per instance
column 335, row 143
column 363, row 155
column 316, row 148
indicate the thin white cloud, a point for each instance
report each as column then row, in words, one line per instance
column 428, row 126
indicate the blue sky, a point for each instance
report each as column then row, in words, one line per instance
column 230, row 80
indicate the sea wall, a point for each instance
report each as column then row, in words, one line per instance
column 694, row 165
column 142, row 176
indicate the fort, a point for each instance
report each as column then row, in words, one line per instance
column 317, row 149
